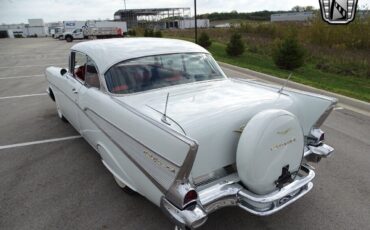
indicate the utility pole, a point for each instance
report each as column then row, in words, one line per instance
column 125, row 4
column 195, row 21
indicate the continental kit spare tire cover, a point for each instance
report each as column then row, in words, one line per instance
column 271, row 140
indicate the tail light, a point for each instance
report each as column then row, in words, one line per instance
column 190, row 197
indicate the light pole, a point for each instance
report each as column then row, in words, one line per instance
column 195, row 21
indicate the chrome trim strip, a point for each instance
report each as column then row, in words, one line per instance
column 124, row 132
column 117, row 128
column 151, row 178
column 193, row 145
column 178, row 189
column 325, row 115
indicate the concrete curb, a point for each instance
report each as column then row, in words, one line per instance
column 347, row 102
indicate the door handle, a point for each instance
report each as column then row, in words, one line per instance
column 74, row 91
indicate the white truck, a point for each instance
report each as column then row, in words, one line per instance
column 57, row 32
column 97, row 29
column 69, row 27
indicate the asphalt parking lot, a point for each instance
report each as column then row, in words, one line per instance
column 62, row 184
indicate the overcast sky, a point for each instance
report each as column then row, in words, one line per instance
column 18, row 11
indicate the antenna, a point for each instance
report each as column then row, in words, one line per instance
column 164, row 117
column 285, row 83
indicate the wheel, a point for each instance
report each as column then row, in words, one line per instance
column 59, row 111
column 69, row 38
column 124, row 187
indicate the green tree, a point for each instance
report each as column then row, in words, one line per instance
column 235, row 47
column 288, row 54
column 204, row 40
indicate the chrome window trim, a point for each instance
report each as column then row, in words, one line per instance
column 150, row 90
column 162, row 88
column 102, row 87
column 96, row 67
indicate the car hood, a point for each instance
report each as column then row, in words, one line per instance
column 211, row 113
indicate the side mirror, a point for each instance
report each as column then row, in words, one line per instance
column 63, row 71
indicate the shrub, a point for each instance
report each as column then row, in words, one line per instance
column 235, row 47
column 204, row 40
column 131, row 33
column 157, row 34
column 288, row 54
column 148, row 33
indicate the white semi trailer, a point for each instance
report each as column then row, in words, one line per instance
column 97, row 29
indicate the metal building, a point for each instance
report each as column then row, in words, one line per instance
column 292, row 17
column 155, row 17
column 36, row 27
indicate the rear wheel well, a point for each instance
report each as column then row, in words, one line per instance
column 51, row 94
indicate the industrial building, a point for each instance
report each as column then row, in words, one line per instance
column 34, row 28
column 159, row 18
column 293, row 17
column 155, row 18
column 12, row 30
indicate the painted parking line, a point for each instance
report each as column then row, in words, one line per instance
column 39, row 142
column 27, row 66
column 27, row 95
column 18, row 77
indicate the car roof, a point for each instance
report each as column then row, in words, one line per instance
column 108, row 52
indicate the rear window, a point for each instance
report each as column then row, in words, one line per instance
column 159, row 71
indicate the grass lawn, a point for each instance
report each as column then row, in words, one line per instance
column 351, row 86
column 355, row 87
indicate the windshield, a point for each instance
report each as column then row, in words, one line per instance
column 159, row 71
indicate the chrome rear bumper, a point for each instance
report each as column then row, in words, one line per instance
column 315, row 153
column 231, row 193
column 228, row 191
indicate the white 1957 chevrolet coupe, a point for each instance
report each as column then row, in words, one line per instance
column 171, row 126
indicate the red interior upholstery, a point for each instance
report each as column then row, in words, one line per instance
column 80, row 72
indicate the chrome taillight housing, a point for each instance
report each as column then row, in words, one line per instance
column 316, row 137
column 190, row 198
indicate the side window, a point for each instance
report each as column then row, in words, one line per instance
column 79, row 67
column 91, row 76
